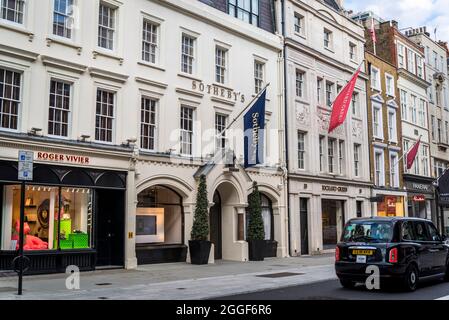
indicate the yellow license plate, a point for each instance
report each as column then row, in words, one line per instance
column 362, row 252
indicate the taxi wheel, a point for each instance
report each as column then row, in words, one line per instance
column 348, row 284
column 411, row 278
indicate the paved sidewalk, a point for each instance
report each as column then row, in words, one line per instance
column 177, row 281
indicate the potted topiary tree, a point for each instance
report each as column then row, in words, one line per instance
column 256, row 232
column 199, row 246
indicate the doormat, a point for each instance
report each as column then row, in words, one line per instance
column 280, row 275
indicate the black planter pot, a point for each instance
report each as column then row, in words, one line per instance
column 256, row 250
column 199, row 251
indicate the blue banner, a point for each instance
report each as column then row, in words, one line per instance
column 254, row 127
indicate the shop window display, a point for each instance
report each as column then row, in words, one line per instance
column 42, row 221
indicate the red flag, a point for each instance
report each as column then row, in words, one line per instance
column 411, row 155
column 373, row 32
column 341, row 104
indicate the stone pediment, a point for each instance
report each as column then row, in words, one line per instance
column 377, row 98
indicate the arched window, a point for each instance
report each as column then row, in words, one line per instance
column 159, row 216
column 267, row 216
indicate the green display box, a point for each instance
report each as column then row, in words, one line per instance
column 65, row 229
column 80, row 240
column 66, row 244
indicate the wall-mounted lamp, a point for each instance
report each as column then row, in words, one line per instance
column 84, row 137
column 34, row 131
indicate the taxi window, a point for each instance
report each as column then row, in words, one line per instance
column 407, row 231
column 434, row 235
column 421, row 233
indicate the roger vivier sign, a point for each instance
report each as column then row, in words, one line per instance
column 61, row 157
column 218, row 91
column 334, row 188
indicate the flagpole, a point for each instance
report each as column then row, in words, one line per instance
column 220, row 134
column 406, row 153
column 244, row 109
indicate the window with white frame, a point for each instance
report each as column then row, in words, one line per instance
column 422, row 118
column 63, row 18
column 355, row 104
column 392, row 131
column 389, row 82
column 404, row 102
column 300, row 83
column 319, row 90
column 439, row 130
column 352, row 51
column 186, row 138
column 220, row 138
column 188, row 54
column 432, row 127
column 425, row 159
column 411, row 56
column 447, row 131
column 301, row 150
column 394, row 170
column 435, row 60
column 104, row 118
column 377, row 120
column 327, row 34
column 259, row 79
column 331, row 153
column 401, row 55
column 406, row 148
column 150, row 40
column 341, row 157
column 375, row 78
column 379, row 168
column 322, row 147
column 220, row 64
column 59, row 108
column 440, row 167
column 246, row 10
column 420, row 66
column 357, row 155
column 299, row 23
column 13, row 10
column 329, row 93
column 148, row 123
column 413, row 109
column 106, row 26
column 10, row 98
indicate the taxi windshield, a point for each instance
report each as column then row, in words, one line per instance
column 368, row 231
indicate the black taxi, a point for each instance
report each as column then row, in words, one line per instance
column 405, row 250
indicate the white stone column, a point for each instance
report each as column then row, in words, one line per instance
column 130, row 221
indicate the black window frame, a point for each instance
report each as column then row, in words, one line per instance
column 251, row 12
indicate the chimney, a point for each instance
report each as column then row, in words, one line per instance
column 394, row 24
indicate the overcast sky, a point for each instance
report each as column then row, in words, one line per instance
column 409, row 13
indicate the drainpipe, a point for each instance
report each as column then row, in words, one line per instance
column 286, row 168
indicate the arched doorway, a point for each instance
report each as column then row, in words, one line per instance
column 159, row 226
column 215, row 226
column 224, row 221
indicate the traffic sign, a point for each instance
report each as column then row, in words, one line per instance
column 25, row 168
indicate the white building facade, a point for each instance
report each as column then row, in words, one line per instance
column 329, row 179
column 120, row 102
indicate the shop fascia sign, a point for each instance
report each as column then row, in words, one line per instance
column 61, row 158
column 419, row 186
column 419, row 198
column 334, row 188
column 218, row 91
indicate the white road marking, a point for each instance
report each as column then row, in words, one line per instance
column 443, row 298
